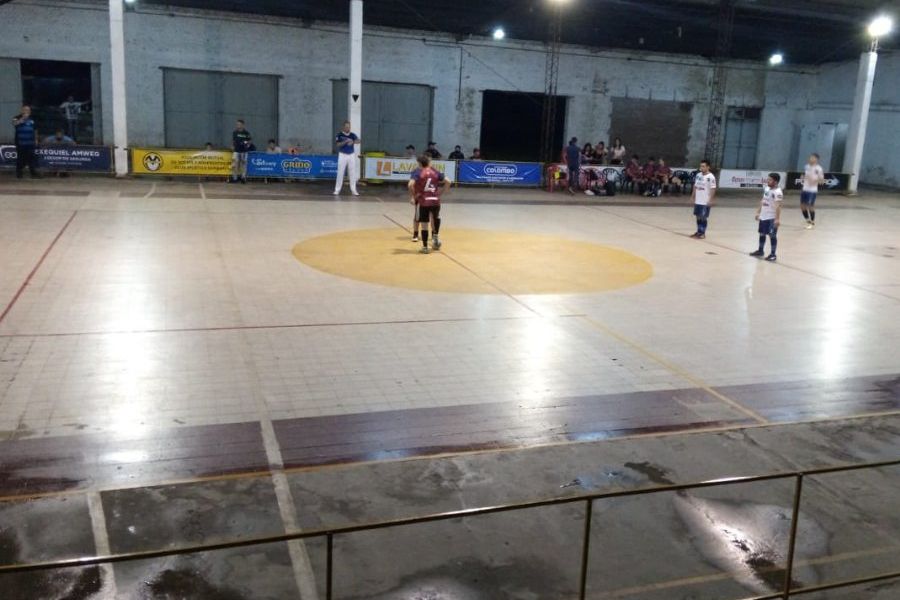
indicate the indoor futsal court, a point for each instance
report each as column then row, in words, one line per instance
column 228, row 371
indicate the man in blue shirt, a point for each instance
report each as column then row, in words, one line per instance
column 573, row 164
column 26, row 139
column 346, row 142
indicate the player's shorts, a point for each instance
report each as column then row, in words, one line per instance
column 426, row 212
column 702, row 210
column 767, row 227
column 808, row 198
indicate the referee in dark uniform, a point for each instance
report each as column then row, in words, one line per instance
column 26, row 140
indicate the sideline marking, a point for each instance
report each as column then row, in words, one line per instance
column 677, row 370
column 40, row 262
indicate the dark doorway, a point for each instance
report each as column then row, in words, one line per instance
column 47, row 84
column 511, row 124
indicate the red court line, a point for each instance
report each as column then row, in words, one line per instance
column 25, row 283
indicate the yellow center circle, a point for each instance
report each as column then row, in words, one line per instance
column 474, row 261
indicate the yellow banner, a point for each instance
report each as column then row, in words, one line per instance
column 180, row 162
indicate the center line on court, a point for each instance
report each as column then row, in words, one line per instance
column 472, row 271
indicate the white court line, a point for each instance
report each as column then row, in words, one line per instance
column 152, row 190
column 101, row 543
column 202, row 190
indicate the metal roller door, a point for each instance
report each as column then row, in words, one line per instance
column 394, row 115
column 202, row 106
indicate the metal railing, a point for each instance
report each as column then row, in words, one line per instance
column 329, row 533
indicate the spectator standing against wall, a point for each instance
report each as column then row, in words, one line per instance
column 241, row 141
column 457, row 154
column 346, row 142
column 71, row 109
column 573, row 163
column 476, row 154
column 26, row 140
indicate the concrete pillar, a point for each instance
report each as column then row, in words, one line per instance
column 859, row 120
column 117, row 63
column 355, row 87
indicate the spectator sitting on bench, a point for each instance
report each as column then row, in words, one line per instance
column 476, row 154
column 59, row 139
column 587, row 153
column 663, row 177
column 600, row 153
column 457, row 154
column 647, row 187
column 634, row 175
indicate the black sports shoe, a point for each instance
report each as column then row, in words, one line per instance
column 771, row 258
column 758, row 253
column 696, row 235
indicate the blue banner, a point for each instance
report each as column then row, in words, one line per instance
column 499, row 173
column 297, row 166
column 64, row 157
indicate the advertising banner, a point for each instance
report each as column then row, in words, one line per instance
column 740, row 179
column 297, row 166
column 500, row 173
column 180, row 162
column 834, row 182
column 95, row 159
column 399, row 169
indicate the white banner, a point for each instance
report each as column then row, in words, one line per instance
column 390, row 168
column 739, row 179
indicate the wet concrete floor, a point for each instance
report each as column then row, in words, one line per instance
column 716, row 543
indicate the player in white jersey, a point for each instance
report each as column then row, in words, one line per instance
column 704, row 195
column 769, row 216
column 813, row 175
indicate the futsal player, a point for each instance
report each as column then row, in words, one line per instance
column 703, row 196
column 425, row 187
column 769, row 216
column 813, row 175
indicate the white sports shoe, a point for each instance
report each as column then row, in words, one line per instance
column 810, row 225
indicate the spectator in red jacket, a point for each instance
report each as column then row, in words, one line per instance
column 648, row 171
column 634, row 175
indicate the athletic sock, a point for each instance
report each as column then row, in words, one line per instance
column 699, row 225
column 437, row 226
column 774, row 242
column 812, row 216
column 805, row 214
column 425, row 238
column 762, row 243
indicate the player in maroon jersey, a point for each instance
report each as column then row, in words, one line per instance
column 425, row 188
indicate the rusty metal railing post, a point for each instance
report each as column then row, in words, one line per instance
column 792, row 541
column 585, row 549
column 329, row 566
